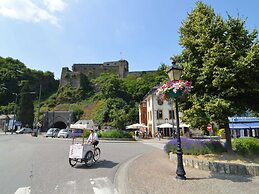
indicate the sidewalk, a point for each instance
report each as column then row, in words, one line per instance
column 154, row 173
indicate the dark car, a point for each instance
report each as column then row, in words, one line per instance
column 76, row 133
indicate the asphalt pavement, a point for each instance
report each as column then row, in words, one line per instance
column 154, row 173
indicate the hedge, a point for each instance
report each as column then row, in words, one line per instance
column 246, row 146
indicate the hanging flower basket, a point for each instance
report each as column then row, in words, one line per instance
column 173, row 89
column 172, row 94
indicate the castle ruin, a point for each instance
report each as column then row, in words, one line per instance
column 92, row 71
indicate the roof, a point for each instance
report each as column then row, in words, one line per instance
column 85, row 122
column 152, row 91
column 252, row 125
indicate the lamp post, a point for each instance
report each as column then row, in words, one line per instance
column 38, row 114
column 174, row 74
column 15, row 105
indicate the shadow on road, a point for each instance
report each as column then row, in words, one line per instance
column 99, row 164
column 233, row 178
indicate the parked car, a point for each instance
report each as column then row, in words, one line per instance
column 24, row 130
column 52, row 132
column 77, row 133
column 65, row 133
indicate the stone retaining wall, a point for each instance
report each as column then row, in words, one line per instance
column 220, row 167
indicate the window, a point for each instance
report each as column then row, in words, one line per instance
column 170, row 101
column 159, row 114
column 159, row 101
column 171, row 114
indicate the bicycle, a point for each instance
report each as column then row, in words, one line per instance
column 81, row 152
column 97, row 153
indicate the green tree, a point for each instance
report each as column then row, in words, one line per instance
column 113, row 112
column 221, row 58
column 111, row 86
column 14, row 73
column 138, row 86
column 26, row 110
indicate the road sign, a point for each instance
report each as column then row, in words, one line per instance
column 209, row 127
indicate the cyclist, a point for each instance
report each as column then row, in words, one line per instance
column 93, row 138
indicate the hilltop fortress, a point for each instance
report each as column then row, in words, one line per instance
column 74, row 78
column 92, row 71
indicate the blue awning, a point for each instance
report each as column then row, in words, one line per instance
column 254, row 125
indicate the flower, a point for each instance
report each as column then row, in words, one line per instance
column 178, row 87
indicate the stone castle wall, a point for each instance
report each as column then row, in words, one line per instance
column 92, row 71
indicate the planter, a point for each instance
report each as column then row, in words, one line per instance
column 172, row 94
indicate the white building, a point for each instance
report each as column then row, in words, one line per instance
column 158, row 112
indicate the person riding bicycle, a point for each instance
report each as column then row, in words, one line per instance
column 93, row 138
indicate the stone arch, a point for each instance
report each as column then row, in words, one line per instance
column 56, row 119
column 60, row 125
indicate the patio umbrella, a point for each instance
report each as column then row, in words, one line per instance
column 165, row 125
column 136, row 126
column 78, row 126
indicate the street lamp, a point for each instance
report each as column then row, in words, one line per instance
column 174, row 74
column 15, row 105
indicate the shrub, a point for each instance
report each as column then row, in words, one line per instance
column 195, row 146
column 221, row 133
column 246, row 146
column 114, row 134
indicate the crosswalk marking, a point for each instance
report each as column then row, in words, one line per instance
column 23, row 190
column 103, row 185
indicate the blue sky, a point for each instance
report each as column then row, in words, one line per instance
column 50, row 34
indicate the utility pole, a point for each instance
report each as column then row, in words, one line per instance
column 16, row 97
column 38, row 115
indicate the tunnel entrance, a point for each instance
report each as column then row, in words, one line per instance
column 60, row 125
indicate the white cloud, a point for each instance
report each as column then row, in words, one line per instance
column 30, row 11
column 54, row 5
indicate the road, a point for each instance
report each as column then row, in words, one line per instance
column 41, row 165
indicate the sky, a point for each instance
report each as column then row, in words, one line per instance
column 50, row 34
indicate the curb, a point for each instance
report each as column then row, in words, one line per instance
column 121, row 179
column 220, row 167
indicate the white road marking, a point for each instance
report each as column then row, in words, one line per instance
column 156, row 145
column 23, row 190
column 56, row 187
column 70, row 187
column 103, row 185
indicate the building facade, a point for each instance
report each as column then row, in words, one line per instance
column 157, row 112
column 244, row 126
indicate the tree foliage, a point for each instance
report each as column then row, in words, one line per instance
column 26, row 108
column 13, row 76
column 121, row 96
column 221, row 58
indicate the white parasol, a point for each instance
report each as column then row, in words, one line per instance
column 136, row 126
